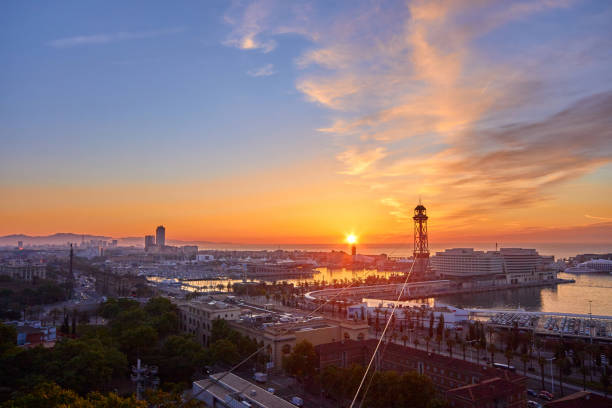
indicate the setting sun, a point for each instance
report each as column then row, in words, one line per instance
column 351, row 239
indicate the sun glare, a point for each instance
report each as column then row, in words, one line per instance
column 351, row 239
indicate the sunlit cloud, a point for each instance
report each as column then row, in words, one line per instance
column 408, row 85
column 592, row 217
column 357, row 162
column 97, row 39
column 266, row 70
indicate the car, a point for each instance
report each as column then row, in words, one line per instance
column 533, row 404
column 531, row 392
column 297, row 401
column 546, row 395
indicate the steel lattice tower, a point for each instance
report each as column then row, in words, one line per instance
column 421, row 243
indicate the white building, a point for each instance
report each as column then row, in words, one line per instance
column 520, row 260
column 196, row 317
column 464, row 262
column 24, row 270
column 204, row 258
column 599, row 265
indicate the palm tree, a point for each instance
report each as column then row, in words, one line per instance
column 416, row 343
column 404, row 339
column 492, row 350
column 427, row 340
column 450, row 343
column 477, row 346
column 560, row 362
column 541, row 362
column 525, row 359
column 509, row 354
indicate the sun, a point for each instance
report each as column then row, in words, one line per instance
column 351, row 238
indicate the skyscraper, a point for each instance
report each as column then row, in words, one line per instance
column 149, row 242
column 160, row 236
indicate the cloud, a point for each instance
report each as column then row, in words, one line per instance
column 248, row 27
column 609, row 219
column 107, row 38
column 266, row 70
column 420, row 106
column 357, row 162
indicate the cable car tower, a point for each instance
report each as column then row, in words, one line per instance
column 421, row 243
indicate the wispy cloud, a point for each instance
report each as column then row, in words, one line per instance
column 359, row 161
column 96, row 39
column 266, row 70
column 248, row 27
column 593, row 217
column 418, row 108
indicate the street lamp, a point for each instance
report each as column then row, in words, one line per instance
column 552, row 378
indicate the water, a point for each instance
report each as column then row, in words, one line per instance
column 559, row 250
column 565, row 298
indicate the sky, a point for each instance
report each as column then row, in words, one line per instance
column 300, row 121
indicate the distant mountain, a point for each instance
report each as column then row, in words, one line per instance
column 54, row 239
column 61, row 238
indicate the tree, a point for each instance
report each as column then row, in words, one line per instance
column 302, row 362
column 542, row 362
column 49, row 395
column 440, row 328
column 85, row 365
column 427, row 340
column 404, row 339
column 450, row 344
column 509, row 354
column 138, row 341
column 431, row 325
column 180, row 357
column 8, row 337
column 74, row 321
column 492, row 350
column 525, row 359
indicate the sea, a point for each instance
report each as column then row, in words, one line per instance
column 404, row 249
column 589, row 293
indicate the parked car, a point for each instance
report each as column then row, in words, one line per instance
column 531, row 392
column 546, row 395
column 260, row 377
column 297, row 401
column 533, row 404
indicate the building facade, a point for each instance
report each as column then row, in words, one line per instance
column 197, row 317
column 149, row 242
column 160, row 236
column 465, row 262
column 24, row 270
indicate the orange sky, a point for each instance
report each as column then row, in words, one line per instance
column 275, row 123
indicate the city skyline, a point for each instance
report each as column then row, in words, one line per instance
column 272, row 122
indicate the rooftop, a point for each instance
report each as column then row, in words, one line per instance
column 485, row 390
column 234, row 386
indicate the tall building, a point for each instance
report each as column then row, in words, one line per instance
column 149, row 242
column 160, row 236
column 519, row 260
column 464, row 262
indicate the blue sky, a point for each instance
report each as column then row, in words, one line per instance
column 290, row 110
